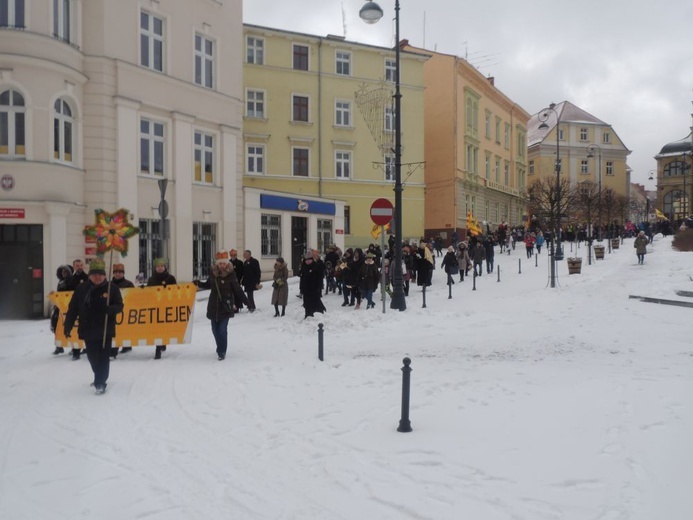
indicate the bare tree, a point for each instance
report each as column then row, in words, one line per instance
column 545, row 200
column 588, row 203
column 609, row 207
column 622, row 204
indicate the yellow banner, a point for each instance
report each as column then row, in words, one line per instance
column 151, row 316
column 660, row 214
column 473, row 225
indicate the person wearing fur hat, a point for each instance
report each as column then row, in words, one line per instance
column 121, row 282
column 280, row 289
column 311, row 286
column 63, row 273
column 161, row 277
column 96, row 303
column 221, row 305
column 368, row 279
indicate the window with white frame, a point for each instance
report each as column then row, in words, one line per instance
column 63, row 125
column 389, row 167
column 472, row 159
column 151, row 41
column 300, row 57
column 347, row 220
column 300, row 108
column 583, row 134
column 531, row 167
column 390, row 69
column 342, row 113
column 507, row 136
column 487, row 166
column 204, row 61
column 606, row 138
column 204, row 247
column 270, row 235
column 255, row 158
column 152, row 141
column 609, row 167
column 342, row 164
column 324, row 234
column 487, row 125
column 61, row 19
column 498, row 168
column 301, row 164
column 560, row 135
column 255, row 50
column 506, row 173
column 151, row 244
column 12, row 13
column 584, row 167
column 204, row 158
column 343, row 63
column 467, row 204
column 12, row 131
column 389, row 119
column 255, row 104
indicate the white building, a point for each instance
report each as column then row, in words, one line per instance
column 100, row 100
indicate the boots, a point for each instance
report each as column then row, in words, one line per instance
column 283, row 310
column 58, row 350
column 276, row 311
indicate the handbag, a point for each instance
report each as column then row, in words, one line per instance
column 227, row 304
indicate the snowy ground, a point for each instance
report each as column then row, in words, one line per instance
column 528, row 403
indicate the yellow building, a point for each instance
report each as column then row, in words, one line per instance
column 305, row 134
column 674, row 178
column 475, row 148
column 577, row 131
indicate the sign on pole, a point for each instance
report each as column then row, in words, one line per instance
column 382, row 212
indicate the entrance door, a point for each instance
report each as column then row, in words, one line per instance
column 21, row 271
column 299, row 241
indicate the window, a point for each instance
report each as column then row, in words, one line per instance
column 486, row 213
column 521, row 179
column 584, row 170
column 347, row 220
column 472, row 115
column 342, row 113
column 389, row 163
column 300, row 57
column 531, row 167
column 342, row 164
column 255, row 154
column 487, row 125
column 12, row 123
column 674, row 203
column 507, row 136
column 270, row 235
column 583, row 134
column 496, row 212
column 12, row 13
column 467, row 206
column 150, row 245
column 62, row 131
column 487, row 167
column 204, row 158
column 324, row 234
column 151, row 147
column 390, row 70
column 61, row 19
column 255, row 50
column 389, row 119
column 560, row 134
column 506, row 173
column 521, row 144
column 497, row 169
column 343, row 63
column 255, row 104
column 498, row 130
column 204, row 247
column 151, row 41
column 606, row 138
column 609, row 167
column 204, row 61
column 472, row 159
column 300, row 162
column 300, row 108
column 675, row 169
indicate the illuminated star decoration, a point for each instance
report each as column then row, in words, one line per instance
column 111, row 231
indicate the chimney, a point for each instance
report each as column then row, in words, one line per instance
column 492, row 80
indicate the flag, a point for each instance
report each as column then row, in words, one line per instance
column 375, row 232
column 660, row 214
column 473, row 225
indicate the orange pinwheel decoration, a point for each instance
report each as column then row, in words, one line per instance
column 111, row 231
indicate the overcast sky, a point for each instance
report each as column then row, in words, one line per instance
column 627, row 62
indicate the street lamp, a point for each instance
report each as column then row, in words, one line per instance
column 370, row 13
column 543, row 116
column 590, row 155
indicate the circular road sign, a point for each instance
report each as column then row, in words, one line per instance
column 382, row 212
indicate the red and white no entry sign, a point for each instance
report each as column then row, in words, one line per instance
column 382, row 212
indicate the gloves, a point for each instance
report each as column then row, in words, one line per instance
column 67, row 332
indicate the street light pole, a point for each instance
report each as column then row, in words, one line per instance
column 370, row 13
column 590, row 155
column 556, row 255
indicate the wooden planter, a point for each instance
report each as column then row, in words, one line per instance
column 574, row 265
column 599, row 252
column 615, row 243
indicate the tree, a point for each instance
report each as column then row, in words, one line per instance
column 609, row 211
column 587, row 205
column 544, row 200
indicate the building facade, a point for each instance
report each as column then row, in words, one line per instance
column 476, row 151
column 101, row 100
column 319, row 124
column 675, row 178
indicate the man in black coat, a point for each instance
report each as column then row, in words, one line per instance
column 77, row 278
column 121, row 282
column 251, row 277
column 96, row 303
column 311, row 286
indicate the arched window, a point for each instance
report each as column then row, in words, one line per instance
column 675, row 204
column 12, row 124
column 675, row 169
column 63, row 125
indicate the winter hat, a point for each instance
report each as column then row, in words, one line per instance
column 160, row 261
column 233, row 252
column 451, row 249
column 97, row 266
column 221, row 257
column 280, row 260
column 118, row 267
column 370, row 255
column 308, row 255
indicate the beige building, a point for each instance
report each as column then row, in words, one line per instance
column 311, row 141
column 475, row 149
column 675, row 178
column 99, row 101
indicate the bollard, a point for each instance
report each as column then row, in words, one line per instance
column 536, row 260
column 519, row 266
column 474, row 280
column 320, row 342
column 404, row 422
column 424, row 296
column 498, row 273
column 449, row 287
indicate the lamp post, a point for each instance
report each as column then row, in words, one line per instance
column 590, row 155
column 371, row 13
column 556, row 255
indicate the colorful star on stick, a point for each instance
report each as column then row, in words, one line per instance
column 111, row 231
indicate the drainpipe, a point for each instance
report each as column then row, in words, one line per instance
column 320, row 117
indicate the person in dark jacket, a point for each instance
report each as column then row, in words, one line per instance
column 96, row 303
column 424, row 265
column 238, row 269
column 478, row 254
column 280, row 287
column 369, row 277
column 489, row 254
column 221, row 305
column 121, row 282
column 161, row 277
column 251, row 278
column 311, row 286
column 353, row 277
column 77, row 278
column 450, row 264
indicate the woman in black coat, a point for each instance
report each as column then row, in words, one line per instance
column 311, row 286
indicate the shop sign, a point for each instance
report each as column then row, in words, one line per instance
column 12, row 213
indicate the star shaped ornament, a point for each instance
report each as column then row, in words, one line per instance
column 111, row 231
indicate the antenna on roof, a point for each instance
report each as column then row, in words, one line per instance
column 424, row 30
column 344, row 24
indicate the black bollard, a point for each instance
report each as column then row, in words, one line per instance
column 498, row 273
column 519, row 266
column 321, row 332
column 474, row 280
column 536, row 260
column 423, row 293
column 449, row 287
column 404, row 422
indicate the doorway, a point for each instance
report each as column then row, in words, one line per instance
column 299, row 241
column 21, row 271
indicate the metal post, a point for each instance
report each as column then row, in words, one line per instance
column 404, row 422
column 320, row 342
column 383, row 276
column 498, row 274
column 519, row 266
column 474, row 280
column 536, row 260
column 449, row 287
column 423, row 293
